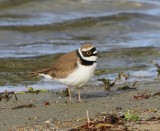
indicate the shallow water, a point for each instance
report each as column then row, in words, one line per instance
column 125, row 32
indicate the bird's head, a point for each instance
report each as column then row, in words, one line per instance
column 88, row 52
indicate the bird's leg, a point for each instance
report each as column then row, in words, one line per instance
column 79, row 95
column 69, row 93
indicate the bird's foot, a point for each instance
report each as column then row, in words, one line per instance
column 69, row 102
column 80, row 101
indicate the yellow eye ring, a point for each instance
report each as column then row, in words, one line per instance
column 88, row 52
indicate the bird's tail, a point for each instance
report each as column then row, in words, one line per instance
column 42, row 71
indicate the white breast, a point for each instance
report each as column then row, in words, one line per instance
column 80, row 76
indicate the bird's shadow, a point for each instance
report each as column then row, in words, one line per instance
column 101, row 93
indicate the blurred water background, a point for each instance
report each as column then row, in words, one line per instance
column 125, row 32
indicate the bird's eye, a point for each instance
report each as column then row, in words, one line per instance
column 88, row 52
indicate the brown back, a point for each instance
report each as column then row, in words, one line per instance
column 64, row 65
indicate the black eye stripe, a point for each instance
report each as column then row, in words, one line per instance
column 93, row 49
column 85, row 62
column 84, row 53
column 91, row 54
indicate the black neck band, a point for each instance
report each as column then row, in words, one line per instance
column 85, row 62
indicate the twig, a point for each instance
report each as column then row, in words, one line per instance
column 88, row 120
column 15, row 96
column 122, row 74
column 107, row 83
column 156, row 64
column 23, row 106
column 135, row 83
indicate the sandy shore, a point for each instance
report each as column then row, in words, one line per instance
column 49, row 110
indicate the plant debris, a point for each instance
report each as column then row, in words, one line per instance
column 125, row 87
column 107, row 83
column 145, row 96
column 46, row 103
column 156, row 94
column 7, row 95
column 20, row 92
column 153, row 118
column 121, row 75
column 65, row 92
column 141, row 96
column 31, row 90
column 131, row 117
column 157, row 65
column 23, row 106
column 100, row 122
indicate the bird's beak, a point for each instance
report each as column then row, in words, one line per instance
column 99, row 56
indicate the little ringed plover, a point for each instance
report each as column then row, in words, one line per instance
column 73, row 69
